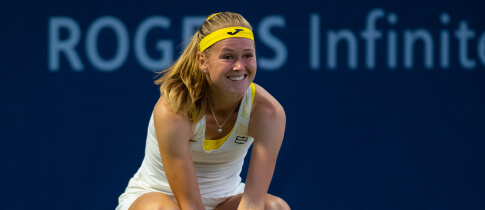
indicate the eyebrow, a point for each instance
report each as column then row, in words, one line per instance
column 231, row 50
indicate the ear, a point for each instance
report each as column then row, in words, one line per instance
column 202, row 60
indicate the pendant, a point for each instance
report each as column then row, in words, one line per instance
column 219, row 130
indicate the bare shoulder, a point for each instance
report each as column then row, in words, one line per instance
column 267, row 114
column 169, row 123
column 265, row 104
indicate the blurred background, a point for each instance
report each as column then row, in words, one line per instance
column 384, row 99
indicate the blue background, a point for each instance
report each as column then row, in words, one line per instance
column 355, row 138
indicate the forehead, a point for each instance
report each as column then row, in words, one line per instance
column 234, row 44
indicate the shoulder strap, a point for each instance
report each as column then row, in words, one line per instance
column 245, row 111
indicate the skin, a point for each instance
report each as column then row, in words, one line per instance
column 229, row 57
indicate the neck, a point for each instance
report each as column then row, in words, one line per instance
column 223, row 103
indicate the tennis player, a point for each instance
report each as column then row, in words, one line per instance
column 210, row 112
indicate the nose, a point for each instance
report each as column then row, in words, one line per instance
column 238, row 65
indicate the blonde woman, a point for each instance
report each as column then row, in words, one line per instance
column 208, row 115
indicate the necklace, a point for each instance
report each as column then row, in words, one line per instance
column 220, row 126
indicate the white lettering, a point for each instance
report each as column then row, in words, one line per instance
column 164, row 46
column 332, row 42
column 92, row 43
column 189, row 26
column 161, row 54
column 463, row 34
column 409, row 40
column 370, row 34
column 392, row 43
column 67, row 46
column 445, row 43
column 281, row 53
column 314, row 41
column 481, row 48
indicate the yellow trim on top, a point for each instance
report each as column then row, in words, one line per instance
column 215, row 144
column 253, row 92
column 210, row 145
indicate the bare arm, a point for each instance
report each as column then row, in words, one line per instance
column 174, row 131
column 267, row 126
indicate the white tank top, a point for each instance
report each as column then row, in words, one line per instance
column 218, row 171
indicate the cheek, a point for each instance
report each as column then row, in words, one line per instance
column 253, row 66
column 216, row 75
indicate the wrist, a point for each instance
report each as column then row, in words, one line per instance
column 192, row 206
column 250, row 204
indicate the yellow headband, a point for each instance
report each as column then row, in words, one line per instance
column 225, row 33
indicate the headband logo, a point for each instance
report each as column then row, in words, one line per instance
column 235, row 32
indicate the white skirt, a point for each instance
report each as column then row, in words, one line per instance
column 130, row 195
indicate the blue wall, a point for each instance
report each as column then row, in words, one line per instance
column 384, row 100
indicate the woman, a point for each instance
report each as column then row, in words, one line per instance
column 208, row 94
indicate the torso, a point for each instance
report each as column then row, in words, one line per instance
column 211, row 126
column 261, row 98
column 212, row 167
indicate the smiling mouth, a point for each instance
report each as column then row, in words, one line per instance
column 237, row 78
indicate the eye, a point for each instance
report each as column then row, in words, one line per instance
column 249, row 55
column 227, row 57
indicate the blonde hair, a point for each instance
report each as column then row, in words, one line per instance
column 183, row 84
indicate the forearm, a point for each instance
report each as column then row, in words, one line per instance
column 260, row 173
column 173, row 130
column 184, row 185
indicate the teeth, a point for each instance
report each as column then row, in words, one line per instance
column 236, row 78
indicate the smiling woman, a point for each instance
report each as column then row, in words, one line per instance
column 208, row 115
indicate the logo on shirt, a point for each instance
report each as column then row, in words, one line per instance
column 241, row 139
